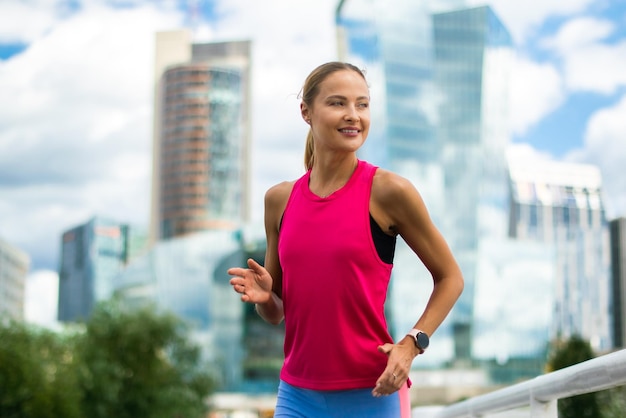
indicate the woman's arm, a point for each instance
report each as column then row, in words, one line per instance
column 398, row 207
column 263, row 285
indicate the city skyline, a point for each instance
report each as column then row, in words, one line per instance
column 75, row 122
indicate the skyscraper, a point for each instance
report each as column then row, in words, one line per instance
column 439, row 87
column 561, row 204
column 14, row 265
column 618, row 280
column 201, row 135
column 91, row 255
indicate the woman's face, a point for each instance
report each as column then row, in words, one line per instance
column 340, row 114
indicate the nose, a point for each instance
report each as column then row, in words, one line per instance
column 351, row 114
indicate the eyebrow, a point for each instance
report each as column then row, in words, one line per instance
column 337, row 96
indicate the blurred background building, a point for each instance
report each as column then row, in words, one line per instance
column 14, row 265
column 91, row 255
column 201, row 139
column 532, row 240
column 439, row 75
column 439, row 96
column 187, row 276
column 200, row 223
column 561, row 204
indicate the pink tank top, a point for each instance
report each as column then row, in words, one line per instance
column 334, row 287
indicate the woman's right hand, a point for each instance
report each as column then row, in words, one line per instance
column 254, row 284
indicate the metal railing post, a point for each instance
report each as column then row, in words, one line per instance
column 540, row 409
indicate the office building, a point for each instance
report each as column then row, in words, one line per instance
column 439, row 87
column 618, row 281
column 14, row 265
column 201, row 137
column 187, row 276
column 91, row 255
column 561, row 204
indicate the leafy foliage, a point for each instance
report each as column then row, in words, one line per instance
column 138, row 363
column 565, row 354
column 37, row 373
column 122, row 363
column 613, row 402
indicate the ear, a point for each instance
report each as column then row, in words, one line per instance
column 304, row 111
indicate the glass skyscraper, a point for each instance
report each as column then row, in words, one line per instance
column 394, row 45
column 439, row 87
column 473, row 52
column 201, row 135
column 91, row 255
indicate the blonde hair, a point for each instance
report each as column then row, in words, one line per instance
column 311, row 89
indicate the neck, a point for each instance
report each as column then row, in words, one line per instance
column 330, row 176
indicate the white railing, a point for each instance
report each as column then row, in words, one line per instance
column 542, row 392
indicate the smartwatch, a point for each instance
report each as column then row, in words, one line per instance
column 420, row 338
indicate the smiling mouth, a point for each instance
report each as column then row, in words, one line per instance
column 349, row 131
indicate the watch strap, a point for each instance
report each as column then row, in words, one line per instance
column 414, row 333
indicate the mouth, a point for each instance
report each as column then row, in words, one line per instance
column 349, row 131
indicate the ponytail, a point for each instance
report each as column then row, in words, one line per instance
column 308, row 151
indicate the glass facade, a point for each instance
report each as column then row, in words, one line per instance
column 473, row 53
column 561, row 204
column 91, row 255
column 201, row 136
column 201, row 187
column 200, row 178
column 442, row 123
column 14, row 265
column 394, row 47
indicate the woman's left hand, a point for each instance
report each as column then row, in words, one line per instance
column 400, row 357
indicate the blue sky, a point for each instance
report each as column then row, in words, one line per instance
column 76, row 104
column 564, row 129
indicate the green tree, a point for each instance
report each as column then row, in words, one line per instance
column 38, row 376
column 139, row 363
column 565, row 354
column 613, row 402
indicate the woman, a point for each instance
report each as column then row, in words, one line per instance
column 330, row 244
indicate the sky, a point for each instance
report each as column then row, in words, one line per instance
column 76, row 79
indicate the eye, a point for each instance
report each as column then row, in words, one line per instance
column 364, row 105
column 336, row 103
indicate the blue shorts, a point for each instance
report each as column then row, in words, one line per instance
column 295, row 402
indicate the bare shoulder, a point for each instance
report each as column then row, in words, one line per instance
column 279, row 193
column 396, row 204
column 276, row 199
column 389, row 187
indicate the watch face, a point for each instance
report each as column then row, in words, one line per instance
column 422, row 340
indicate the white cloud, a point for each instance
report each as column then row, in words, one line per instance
column 76, row 106
column 523, row 152
column 536, row 91
column 580, row 32
column 589, row 62
column 41, row 299
column 523, row 18
column 75, row 123
column 605, row 147
column 25, row 21
column 76, row 109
